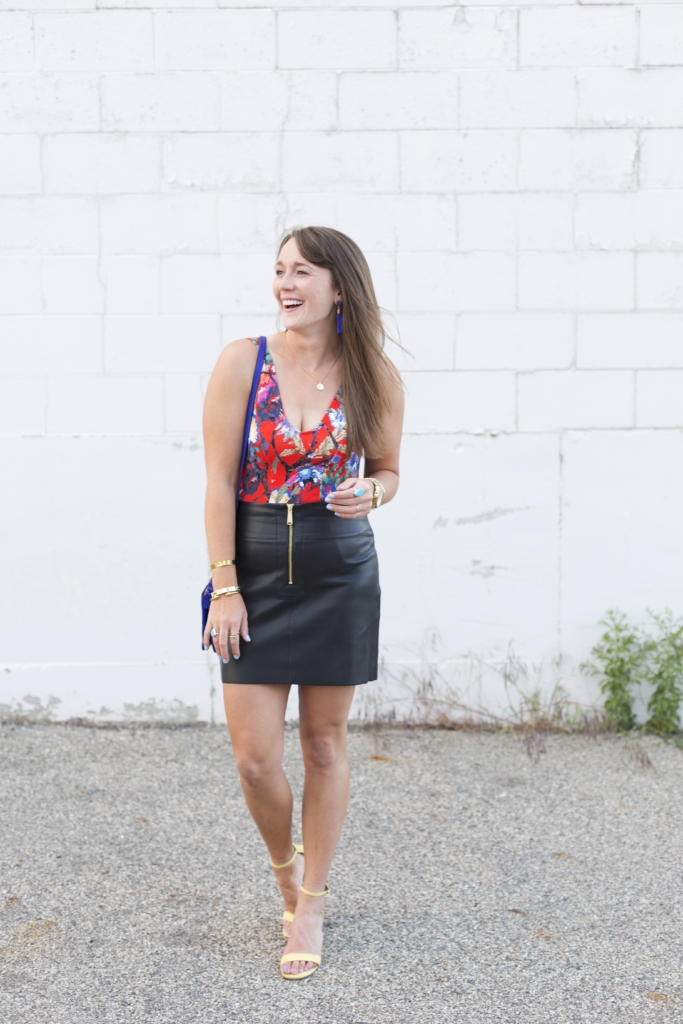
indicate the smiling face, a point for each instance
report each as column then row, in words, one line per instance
column 305, row 293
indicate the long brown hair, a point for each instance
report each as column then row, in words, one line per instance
column 367, row 370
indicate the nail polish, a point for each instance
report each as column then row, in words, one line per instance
column 248, row 638
column 236, row 657
column 224, row 660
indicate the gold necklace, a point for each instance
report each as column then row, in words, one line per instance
column 319, row 383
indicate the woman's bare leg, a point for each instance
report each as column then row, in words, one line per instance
column 256, row 717
column 323, row 716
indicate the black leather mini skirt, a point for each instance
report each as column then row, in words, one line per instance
column 310, row 584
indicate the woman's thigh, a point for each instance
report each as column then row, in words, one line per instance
column 256, row 721
column 323, row 714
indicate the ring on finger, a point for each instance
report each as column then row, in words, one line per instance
column 214, row 633
column 233, row 634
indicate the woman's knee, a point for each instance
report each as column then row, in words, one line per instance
column 255, row 767
column 324, row 749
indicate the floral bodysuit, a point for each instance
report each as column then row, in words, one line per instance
column 284, row 465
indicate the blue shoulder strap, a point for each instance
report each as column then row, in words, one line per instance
column 260, row 356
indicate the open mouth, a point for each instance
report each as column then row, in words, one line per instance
column 290, row 304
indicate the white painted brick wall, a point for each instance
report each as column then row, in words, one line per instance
column 514, row 174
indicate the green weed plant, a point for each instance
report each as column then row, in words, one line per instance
column 629, row 658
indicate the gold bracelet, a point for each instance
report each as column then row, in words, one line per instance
column 219, row 565
column 224, row 590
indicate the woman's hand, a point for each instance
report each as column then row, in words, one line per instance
column 228, row 616
column 348, row 502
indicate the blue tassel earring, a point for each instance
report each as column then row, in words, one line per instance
column 339, row 318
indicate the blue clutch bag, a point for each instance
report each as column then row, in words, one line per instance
column 208, row 589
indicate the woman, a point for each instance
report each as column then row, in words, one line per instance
column 298, row 563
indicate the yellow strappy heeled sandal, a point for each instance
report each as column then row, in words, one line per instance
column 287, row 915
column 313, row 958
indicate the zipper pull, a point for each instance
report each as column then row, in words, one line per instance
column 290, row 515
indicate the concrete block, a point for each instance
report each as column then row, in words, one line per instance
column 311, row 208
column 102, row 164
column 515, row 341
column 575, row 399
column 49, row 103
column 340, row 162
column 248, row 162
column 246, row 325
column 659, row 280
column 159, row 694
column 214, row 40
column 661, row 158
column 50, row 344
column 16, row 41
column 332, row 38
column 621, row 515
column 458, row 161
column 661, row 34
column 239, row 283
column 20, row 164
column 183, row 403
column 48, row 225
column 94, row 41
column 298, row 101
column 428, row 341
column 454, row 282
column 573, row 281
column 159, row 224
column 629, row 340
column 118, row 507
column 489, row 536
column 72, row 284
column 132, row 284
column 105, row 405
column 578, row 36
column 659, row 398
column 250, row 223
column 641, row 220
column 405, row 222
column 162, row 102
column 599, row 158
column 29, row 5
column 461, row 37
column 20, row 290
column 23, row 404
column 621, row 97
column 403, row 99
column 161, row 344
column 444, row 403
column 510, row 222
column 528, row 98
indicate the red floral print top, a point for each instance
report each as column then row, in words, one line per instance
column 285, row 465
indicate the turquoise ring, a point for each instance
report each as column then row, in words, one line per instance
column 359, row 492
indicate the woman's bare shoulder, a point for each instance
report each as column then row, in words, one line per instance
column 236, row 360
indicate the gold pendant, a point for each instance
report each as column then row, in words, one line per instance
column 320, row 386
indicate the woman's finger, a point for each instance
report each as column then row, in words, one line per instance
column 234, row 642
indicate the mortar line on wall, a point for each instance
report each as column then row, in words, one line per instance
column 638, row 64
column 560, row 526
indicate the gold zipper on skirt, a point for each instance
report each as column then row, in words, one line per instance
column 290, row 528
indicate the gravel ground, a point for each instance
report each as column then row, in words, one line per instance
column 472, row 884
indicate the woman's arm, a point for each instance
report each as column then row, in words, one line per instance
column 225, row 409
column 383, row 468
